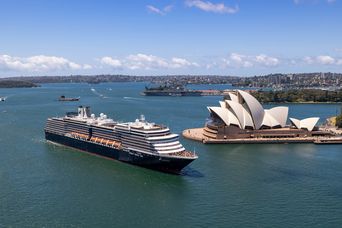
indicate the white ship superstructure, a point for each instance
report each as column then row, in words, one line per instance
column 145, row 137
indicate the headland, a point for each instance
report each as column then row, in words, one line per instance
column 17, row 84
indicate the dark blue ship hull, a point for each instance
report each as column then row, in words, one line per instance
column 166, row 164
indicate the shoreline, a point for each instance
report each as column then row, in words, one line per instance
column 304, row 102
column 196, row 134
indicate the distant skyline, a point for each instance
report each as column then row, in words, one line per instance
column 151, row 37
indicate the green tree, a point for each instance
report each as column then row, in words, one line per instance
column 339, row 121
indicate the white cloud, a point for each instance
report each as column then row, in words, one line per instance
column 325, row 59
column 156, row 10
column 147, row 62
column 179, row 63
column 239, row 60
column 266, row 60
column 153, row 9
column 246, row 61
column 87, row 67
column 39, row 63
column 111, row 62
column 321, row 59
column 212, row 7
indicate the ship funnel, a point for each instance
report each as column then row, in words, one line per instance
column 142, row 118
column 80, row 111
column 87, row 111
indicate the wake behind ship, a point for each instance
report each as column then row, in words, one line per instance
column 141, row 143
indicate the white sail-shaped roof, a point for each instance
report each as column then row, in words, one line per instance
column 255, row 108
column 222, row 113
column 280, row 114
column 233, row 97
column 308, row 123
column 269, row 121
column 223, row 104
column 225, row 115
column 295, row 122
column 248, row 119
column 236, row 109
column 233, row 119
column 241, row 113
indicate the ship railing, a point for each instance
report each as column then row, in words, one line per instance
column 105, row 142
column 157, row 126
column 79, row 136
column 97, row 140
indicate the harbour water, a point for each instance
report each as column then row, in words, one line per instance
column 228, row 186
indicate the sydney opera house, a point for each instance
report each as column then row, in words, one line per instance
column 242, row 116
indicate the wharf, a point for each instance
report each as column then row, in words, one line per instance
column 197, row 135
column 194, row 134
column 213, row 92
column 334, row 130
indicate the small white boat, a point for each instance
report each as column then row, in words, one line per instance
column 2, row 98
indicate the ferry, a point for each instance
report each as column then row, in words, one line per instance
column 63, row 98
column 140, row 142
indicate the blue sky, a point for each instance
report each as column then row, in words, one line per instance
column 150, row 37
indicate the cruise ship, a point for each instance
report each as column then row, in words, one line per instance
column 140, row 143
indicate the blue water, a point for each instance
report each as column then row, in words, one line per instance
column 43, row 185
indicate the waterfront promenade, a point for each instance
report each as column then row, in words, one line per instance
column 197, row 135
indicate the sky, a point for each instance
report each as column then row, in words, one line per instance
column 154, row 37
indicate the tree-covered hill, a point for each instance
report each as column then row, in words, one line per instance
column 16, row 84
